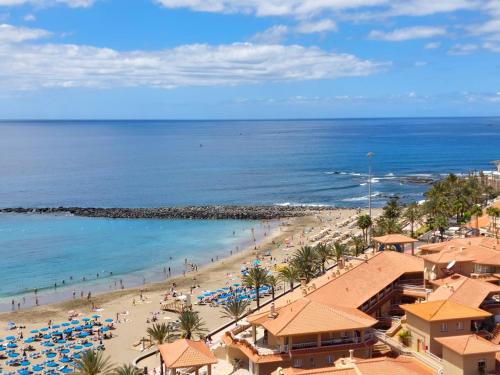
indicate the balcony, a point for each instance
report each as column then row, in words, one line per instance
column 332, row 342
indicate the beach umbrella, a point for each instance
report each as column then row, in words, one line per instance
column 23, row 372
column 85, row 319
column 77, row 356
column 66, row 370
column 96, row 316
column 88, row 344
column 65, row 324
column 61, row 341
column 65, row 351
column 84, row 334
column 109, row 320
column 48, row 343
column 77, row 347
column 46, row 337
column 56, row 326
column 51, row 355
column 11, row 345
column 1, row 340
column 104, row 329
column 10, row 338
column 236, row 284
column 37, row 368
column 24, row 363
column 75, row 322
column 52, row 364
column 29, row 340
column 44, row 329
column 56, row 333
column 2, row 348
column 65, row 360
column 13, row 355
column 200, row 297
column 68, row 330
column 34, row 331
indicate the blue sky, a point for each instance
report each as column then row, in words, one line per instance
column 196, row 59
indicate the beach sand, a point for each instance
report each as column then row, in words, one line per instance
column 298, row 231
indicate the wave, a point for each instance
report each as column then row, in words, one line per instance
column 294, row 204
column 357, row 174
column 375, row 194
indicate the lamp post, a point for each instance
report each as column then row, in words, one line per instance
column 369, row 156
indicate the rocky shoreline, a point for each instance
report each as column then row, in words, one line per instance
column 187, row 212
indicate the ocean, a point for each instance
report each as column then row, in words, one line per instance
column 167, row 163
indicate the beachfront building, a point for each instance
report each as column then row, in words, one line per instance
column 428, row 321
column 468, row 355
column 329, row 318
column 187, row 355
column 356, row 366
column 475, row 257
column 395, row 242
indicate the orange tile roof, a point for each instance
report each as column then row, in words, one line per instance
column 468, row 344
column 305, row 316
column 186, row 353
column 483, row 220
column 375, row 366
column 353, row 287
column 480, row 251
column 463, row 290
column 443, row 310
column 394, row 239
column 460, row 242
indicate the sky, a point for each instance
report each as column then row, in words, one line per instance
column 225, row 59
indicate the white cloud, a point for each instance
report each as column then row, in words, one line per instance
column 70, row 3
column 407, row 33
column 432, row 45
column 29, row 17
column 274, row 34
column 430, row 7
column 316, row 26
column 65, row 65
column 13, row 34
column 463, row 49
column 420, row 64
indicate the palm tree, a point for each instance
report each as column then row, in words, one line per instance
column 191, row 324
column 358, row 244
column 93, row 363
column 476, row 211
column 339, row 250
column 306, row 262
column 412, row 213
column 127, row 369
column 494, row 213
column 392, row 209
column 288, row 274
column 364, row 223
column 255, row 278
column 234, row 309
column 324, row 253
column 272, row 282
column 161, row 334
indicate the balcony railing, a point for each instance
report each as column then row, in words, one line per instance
column 333, row 342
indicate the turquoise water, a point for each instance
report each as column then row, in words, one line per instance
column 40, row 250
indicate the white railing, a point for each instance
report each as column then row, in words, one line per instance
column 428, row 358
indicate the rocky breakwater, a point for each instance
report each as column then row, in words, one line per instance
column 187, row 212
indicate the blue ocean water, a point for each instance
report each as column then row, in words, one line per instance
column 40, row 250
column 155, row 163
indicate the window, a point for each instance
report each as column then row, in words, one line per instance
column 481, row 366
column 444, row 327
column 297, row 363
column 329, row 359
column 484, row 268
column 460, row 326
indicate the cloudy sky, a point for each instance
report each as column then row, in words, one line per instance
column 249, row 58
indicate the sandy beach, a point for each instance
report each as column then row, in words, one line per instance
column 135, row 314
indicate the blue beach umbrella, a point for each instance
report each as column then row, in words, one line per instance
column 84, row 334
column 96, row 316
column 68, row 330
column 2, row 348
column 74, row 322
column 52, row 364
column 24, row 363
column 11, row 345
column 66, row 370
column 10, row 338
column 77, row 347
column 65, row 324
column 61, row 341
column 104, row 329
column 56, row 326
column 85, row 319
column 23, row 372
column 13, row 355
column 46, row 337
column 37, row 368
column 44, row 329
column 77, row 355
column 65, row 360
column 48, row 343
column 88, row 344
column 51, row 355
column 34, row 331
column 56, row 333
column 109, row 320
column 65, row 351
column 29, row 340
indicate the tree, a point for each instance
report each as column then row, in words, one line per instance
column 93, row 363
column 413, row 214
column 127, row 369
column 339, row 249
column 161, row 334
column 476, row 211
column 392, row 209
column 235, row 309
column 272, row 282
column 494, row 214
column 358, row 244
column 324, row 253
column 190, row 324
column 255, row 278
column 288, row 274
column 364, row 223
column 305, row 260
